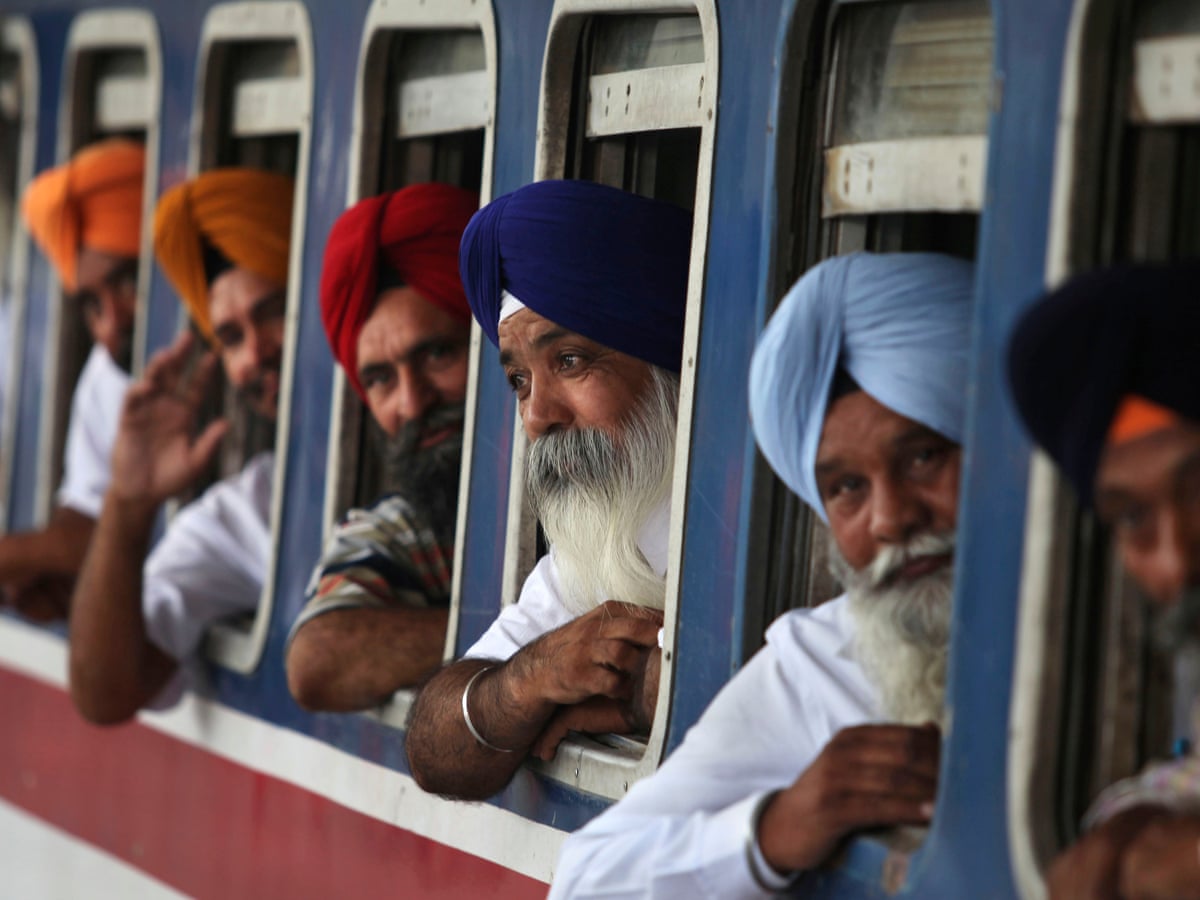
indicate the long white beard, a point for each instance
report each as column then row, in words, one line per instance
column 902, row 631
column 593, row 493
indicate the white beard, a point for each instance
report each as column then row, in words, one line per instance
column 593, row 494
column 902, row 631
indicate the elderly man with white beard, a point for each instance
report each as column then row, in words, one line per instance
column 583, row 289
column 857, row 394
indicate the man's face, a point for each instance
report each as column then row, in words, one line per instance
column 412, row 363
column 886, row 480
column 565, row 381
column 107, row 296
column 1148, row 491
column 247, row 313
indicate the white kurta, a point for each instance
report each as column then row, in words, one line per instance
column 540, row 608
column 682, row 832
column 210, row 564
column 91, row 433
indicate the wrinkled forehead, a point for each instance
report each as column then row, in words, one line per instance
column 524, row 332
column 1148, row 466
column 95, row 266
column 858, row 427
column 235, row 292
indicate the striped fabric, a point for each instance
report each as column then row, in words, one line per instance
column 388, row 555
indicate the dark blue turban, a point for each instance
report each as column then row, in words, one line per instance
column 606, row 264
column 1080, row 351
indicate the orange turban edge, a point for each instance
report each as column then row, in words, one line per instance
column 94, row 200
column 1137, row 417
column 245, row 214
column 415, row 232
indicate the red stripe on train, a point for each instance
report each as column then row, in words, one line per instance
column 209, row 827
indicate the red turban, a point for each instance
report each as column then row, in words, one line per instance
column 415, row 232
column 94, row 200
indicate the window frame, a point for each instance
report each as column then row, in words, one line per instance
column 94, row 31
column 581, row 763
column 823, row 211
column 17, row 37
column 401, row 16
column 1087, row 183
column 256, row 21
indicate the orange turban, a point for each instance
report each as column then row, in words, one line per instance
column 95, row 201
column 245, row 215
column 415, row 233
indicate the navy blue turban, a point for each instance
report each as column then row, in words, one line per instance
column 1077, row 353
column 899, row 324
column 606, row 264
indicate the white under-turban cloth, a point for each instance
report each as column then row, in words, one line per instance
column 899, row 324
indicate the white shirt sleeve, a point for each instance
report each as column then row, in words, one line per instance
column 537, row 611
column 91, row 433
column 211, row 562
column 682, row 831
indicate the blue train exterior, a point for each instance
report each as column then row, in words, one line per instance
column 762, row 44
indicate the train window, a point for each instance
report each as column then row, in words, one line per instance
column 424, row 112
column 629, row 100
column 899, row 155
column 254, row 109
column 18, row 135
column 112, row 87
column 1093, row 701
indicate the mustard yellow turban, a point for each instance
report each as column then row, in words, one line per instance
column 245, row 215
column 95, row 200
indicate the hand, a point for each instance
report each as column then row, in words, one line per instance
column 155, row 456
column 604, row 715
column 1089, row 869
column 599, row 715
column 866, row 777
column 44, row 598
column 600, row 654
column 1162, row 860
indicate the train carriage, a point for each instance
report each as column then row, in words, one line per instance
column 1037, row 139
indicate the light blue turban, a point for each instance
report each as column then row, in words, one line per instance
column 898, row 323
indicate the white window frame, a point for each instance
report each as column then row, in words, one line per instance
column 16, row 34
column 1035, row 715
column 226, row 644
column 581, row 763
column 95, row 31
column 409, row 16
column 928, row 174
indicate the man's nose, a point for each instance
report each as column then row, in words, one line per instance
column 414, row 396
column 897, row 513
column 544, row 410
column 1174, row 565
column 260, row 350
column 110, row 322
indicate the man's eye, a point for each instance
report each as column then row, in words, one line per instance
column 569, row 361
column 516, row 381
column 843, row 487
column 374, row 380
column 229, row 339
column 926, row 459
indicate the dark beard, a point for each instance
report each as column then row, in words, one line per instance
column 124, row 355
column 428, row 476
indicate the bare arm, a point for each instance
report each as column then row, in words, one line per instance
column 350, row 659
column 57, row 549
column 114, row 669
column 596, row 655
